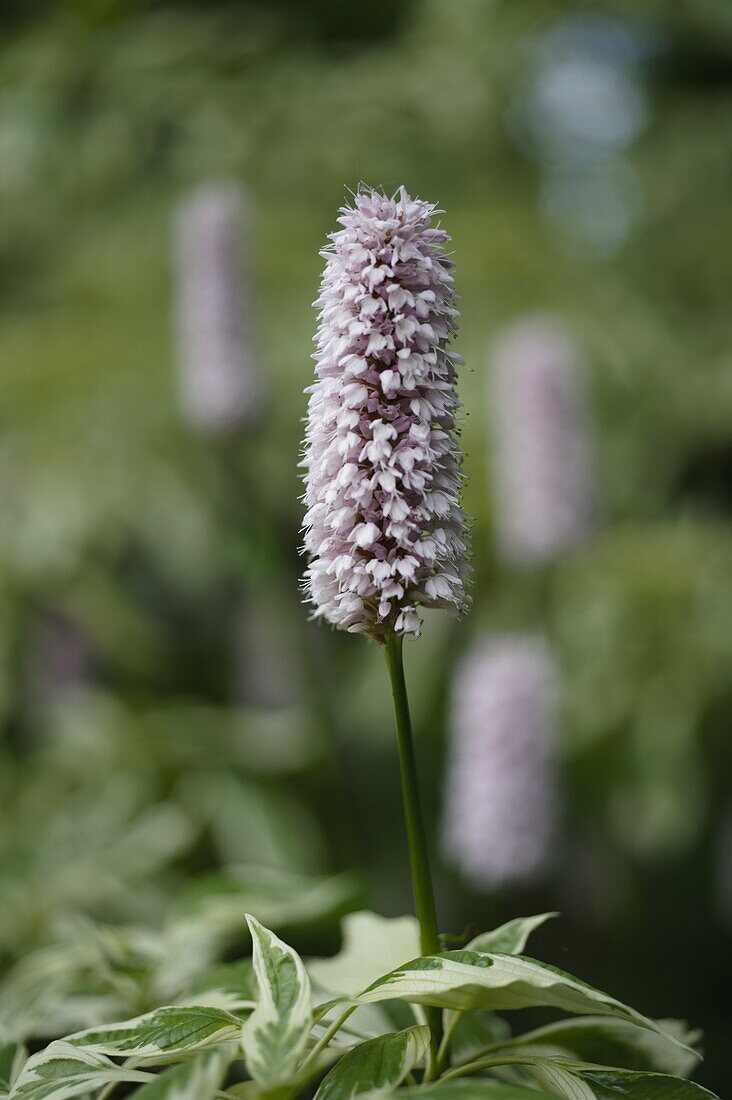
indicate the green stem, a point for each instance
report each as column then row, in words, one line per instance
column 444, row 1049
column 469, row 1068
column 328, row 1034
column 424, row 897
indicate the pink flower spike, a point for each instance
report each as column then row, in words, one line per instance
column 383, row 473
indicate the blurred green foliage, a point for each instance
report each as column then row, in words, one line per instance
column 161, row 550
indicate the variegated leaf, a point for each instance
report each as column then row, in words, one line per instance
column 64, row 1072
column 576, row 1082
column 470, row 979
column 610, row 1084
column 608, row 1041
column 276, row 1033
column 372, row 946
column 510, row 938
column 377, row 1065
column 158, row 1034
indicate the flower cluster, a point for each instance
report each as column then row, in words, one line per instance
column 384, row 530
column 218, row 379
column 544, row 486
column 501, row 795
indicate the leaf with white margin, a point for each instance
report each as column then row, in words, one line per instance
column 63, row 1072
column 377, row 1065
column 604, row 1041
column 156, row 1035
column 276, row 1033
column 199, row 1078
column 372, row 946
column 577, row 1082
column 469, row 979
column 510, row 938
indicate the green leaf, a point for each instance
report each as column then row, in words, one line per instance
column 276, row 1033
column 12, row 1059
column 611, row 1083
column 377, row 1065
column 200, row 1078
column 474, row 1088
column 510, row 938
column 473, row 1032
column 372, row 946
column 163, row 1032
column 249, row 1090
column 607, row 1041
column 469, row 979
column 62, row 1071
column 561, row 1082
column 591, row 1083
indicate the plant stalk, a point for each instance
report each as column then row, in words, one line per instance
column 424, row 897
column 328, row 1034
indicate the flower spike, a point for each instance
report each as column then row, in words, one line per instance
column 384, row 530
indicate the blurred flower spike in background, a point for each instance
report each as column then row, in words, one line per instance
column 219, row 377
column 501, row 799
column 542, row 463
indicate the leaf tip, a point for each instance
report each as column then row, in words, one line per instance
column 252, row 924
